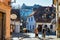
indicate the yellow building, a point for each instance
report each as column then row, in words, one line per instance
column 5, row 19
column 57, row 4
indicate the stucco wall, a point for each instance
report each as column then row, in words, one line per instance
column 6, row 9
column 31, row 23
column 48, row 25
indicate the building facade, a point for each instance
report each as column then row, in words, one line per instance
column 44, row 16
column 31, row 23
column 5, row 19
column 41, row 26
column 15, row 23
column 25, row 11
column 57, row 5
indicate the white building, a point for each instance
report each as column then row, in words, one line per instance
column 17, row 27
column 31, row 24
column 52, row 27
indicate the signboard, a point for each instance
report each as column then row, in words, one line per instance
column 13, row 16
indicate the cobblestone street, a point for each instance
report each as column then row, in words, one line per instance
column 28, row 36
column 33, row 39
column 26, row 39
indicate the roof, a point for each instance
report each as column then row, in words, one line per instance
column 44, row 10
column 32, row 14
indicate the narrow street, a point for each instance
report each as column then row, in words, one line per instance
column 29, row 19
column 28, row 36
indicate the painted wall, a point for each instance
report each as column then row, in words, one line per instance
column 31, row 24
column 6, row 10
column 25, row 12
column 48, row 26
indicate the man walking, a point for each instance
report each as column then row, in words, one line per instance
column 36, row 32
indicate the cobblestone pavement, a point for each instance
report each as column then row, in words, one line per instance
column 20, row 38
column 31, row 36
column 26, row 39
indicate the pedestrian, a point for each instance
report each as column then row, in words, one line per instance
column 11, row 30
column 48, row 30
column 36, row 32
column 44, row 33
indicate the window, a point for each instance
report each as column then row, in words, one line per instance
column 31, row 19
column 44, row 16
column 46, row 10
column 45, row 26
column 51, row 26
column 33, row 26
column 54, row 10
column 30, row 27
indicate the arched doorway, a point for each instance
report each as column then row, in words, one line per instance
column 2, row 25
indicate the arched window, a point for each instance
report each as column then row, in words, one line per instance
column 33, row 26
column 51, row 26
column 31, row 18
column 45, row 26
column 30, row 27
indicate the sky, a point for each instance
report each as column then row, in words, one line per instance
column 32, row 2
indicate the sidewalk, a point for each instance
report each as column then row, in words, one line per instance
column 16, row 38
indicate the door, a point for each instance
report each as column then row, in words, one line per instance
column 2, row 26
column 17, row 29
column 39, row 28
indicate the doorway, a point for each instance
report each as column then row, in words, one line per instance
column 39, row 28
column 2, row 26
